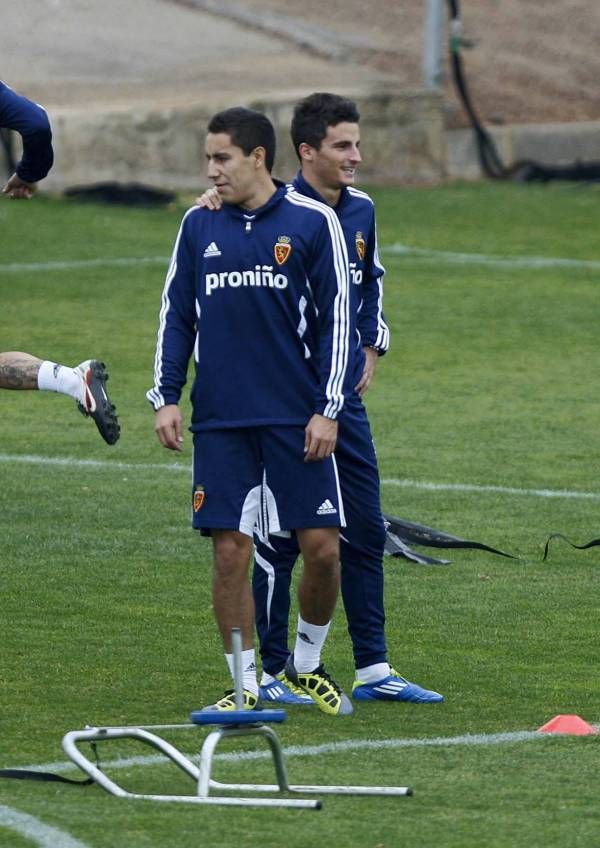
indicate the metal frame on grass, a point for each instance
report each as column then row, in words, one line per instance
column 238, row 722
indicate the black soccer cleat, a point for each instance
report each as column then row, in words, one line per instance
column 95, row 403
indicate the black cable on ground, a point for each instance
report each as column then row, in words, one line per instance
column 401, row 534
column 592, row 544
column 29, row 774
column 491, row 163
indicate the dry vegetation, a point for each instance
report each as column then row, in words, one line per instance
column 532, row 60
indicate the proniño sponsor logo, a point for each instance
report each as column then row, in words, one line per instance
column 261, row 277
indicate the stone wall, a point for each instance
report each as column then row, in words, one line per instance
column 402, row 138
column 546, row 144
column 403, row 141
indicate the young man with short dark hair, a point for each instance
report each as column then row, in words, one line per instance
column 326, row 136
column 258, row 292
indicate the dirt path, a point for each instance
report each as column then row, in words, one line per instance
column 532, row 60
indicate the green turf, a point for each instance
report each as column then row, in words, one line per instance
column 106, row 609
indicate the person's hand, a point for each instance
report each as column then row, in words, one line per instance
column 167, row 426
column 18, row 189
column 371, row 357
column 211, row 199
column 320, row 436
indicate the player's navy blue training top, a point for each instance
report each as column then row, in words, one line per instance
column 356, row 213
column 262, row 299
column 31, row 121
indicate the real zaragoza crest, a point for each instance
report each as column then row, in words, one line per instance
column 199, row 498
column 282, row 249
column 360, row 245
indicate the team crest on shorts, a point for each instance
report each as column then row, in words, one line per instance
column 199, row 498
column 282, row 249
column 360, row 245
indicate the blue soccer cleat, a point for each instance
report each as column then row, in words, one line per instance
column 394, row 688
column 283, row 691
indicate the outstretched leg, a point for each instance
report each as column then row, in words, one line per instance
column 86, row 384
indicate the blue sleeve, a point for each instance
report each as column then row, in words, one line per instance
column 328, row 278
column 177, row 321
column 374, row 331
column 31, row 122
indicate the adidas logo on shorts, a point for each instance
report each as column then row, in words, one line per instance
column 326, row 508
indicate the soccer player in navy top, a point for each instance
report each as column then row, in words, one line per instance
column 325, row 133
column 31, row 122
column 258, row 293
column 326, row 136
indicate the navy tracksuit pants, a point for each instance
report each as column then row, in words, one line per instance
column 361, row 553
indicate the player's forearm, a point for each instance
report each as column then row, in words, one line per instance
column 176, row 334
column 334, row 386
column 38, row 157
column 170, row 375
column 371, row 323
column 31, row 122
column 175, row 344
column 336, row 327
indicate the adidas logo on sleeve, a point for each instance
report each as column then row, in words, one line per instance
column 326, row 508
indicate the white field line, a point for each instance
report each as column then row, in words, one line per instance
column 43, row 835
column 440, row 256
column 101, row 464
column 66, row 462
column 75, row 264
column 513, row 262
column 342, row 747
column 476, row 487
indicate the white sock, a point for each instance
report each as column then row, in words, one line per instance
column 59, row 378
column 373, row 673
column 310, row 639
column 249, row 681
column 266, row 679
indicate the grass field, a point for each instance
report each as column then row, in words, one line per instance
column 485, row 414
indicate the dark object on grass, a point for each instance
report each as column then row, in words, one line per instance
column 29, row 774
column 124, row 194
column 491, row 163
column 591, row 544
column 400, row 534
column 25, row 774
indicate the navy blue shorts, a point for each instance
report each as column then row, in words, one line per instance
column 251, row 478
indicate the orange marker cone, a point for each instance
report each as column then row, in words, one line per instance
column 571, row 724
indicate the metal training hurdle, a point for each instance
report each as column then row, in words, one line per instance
column 239, row 722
